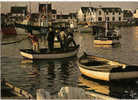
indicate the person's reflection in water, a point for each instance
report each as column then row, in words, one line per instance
column 64, row 71
column 35, row 77
column 51, row 73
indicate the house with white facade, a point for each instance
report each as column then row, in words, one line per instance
column 81, row 15
column 90, row 14
column 135, row 15
column 127, row 15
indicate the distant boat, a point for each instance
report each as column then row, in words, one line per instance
column 107, row 37
column 7, row 26
column 21, row 28
column 104, row 69
column 8, row 30
column 57, row 53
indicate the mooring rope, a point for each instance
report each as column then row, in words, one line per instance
column 14, row 41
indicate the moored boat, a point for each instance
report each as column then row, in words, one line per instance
column 7, row 26
column 107, row 36
column 57, row 53
column 104, row 69
column 9, row 30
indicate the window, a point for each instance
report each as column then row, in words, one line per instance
column 107, row 18
column 99, row 12
column 113, row 19
column 113, row 13
column 99, row 18
column 119, row 18
column 119, row 13
column 106, row 13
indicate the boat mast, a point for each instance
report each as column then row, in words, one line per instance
column 46, row 15
column 106, row 26
column 30, row 7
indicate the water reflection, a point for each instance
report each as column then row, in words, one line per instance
column 33, row 75
column 119, row 89
column 49, row 74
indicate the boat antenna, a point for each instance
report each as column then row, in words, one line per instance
column 30, row 7
column 106, row 27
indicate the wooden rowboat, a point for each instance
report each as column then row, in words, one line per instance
column 104, row 69
column 57, row 53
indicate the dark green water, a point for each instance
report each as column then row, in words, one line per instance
column 52, row 75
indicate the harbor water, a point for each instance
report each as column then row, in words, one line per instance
column 52, row 75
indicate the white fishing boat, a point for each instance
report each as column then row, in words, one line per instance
column 104, row 69
column 57, row 53
column 107, row 37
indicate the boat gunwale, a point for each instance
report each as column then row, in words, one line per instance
column 38, row 53
column 73, row 54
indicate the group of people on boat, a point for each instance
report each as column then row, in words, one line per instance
column 65, row 37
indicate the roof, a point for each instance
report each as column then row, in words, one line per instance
column 127, row 13
column 45, row 7
column 111, row 9
column 87, row 9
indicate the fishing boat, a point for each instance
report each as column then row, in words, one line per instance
column 104, row 69
column 57, row 53
column 107, row 37
column 7, row 26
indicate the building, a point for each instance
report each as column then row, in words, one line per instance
column 19, row 11
column 82, row 14
column 46, row 9
column 54, row 14
column 102, row 14
column 135, row 15
column 127, row 15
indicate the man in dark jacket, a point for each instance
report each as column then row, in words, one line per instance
column 50, row 38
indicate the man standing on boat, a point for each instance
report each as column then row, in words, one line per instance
column 62, row 36
column 33, row 38
column 69, row 39
column 50, row 38
column 34, row 42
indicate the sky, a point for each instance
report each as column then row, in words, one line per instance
column 67, row 7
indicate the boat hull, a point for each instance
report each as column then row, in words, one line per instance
column 49, row 55
column 95, row 74
column 106, row 42
column 107, row 76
